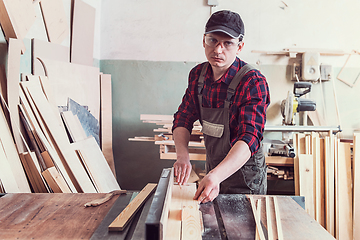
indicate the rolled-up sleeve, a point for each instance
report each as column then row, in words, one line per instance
column 250, row 110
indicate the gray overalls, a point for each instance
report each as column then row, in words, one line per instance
column 251, row 177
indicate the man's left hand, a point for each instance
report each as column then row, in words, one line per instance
column 208, row 189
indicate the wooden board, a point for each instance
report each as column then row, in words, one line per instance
column 54, row 16
column 60, row 140
column 73, row 126
column 42, row 136
column 12, row 158
column 123, row 218
column 106, row 120
column 82, row 37
column 344, row 226
column 356, row 184
column 96, row 164
column 32, row 169
column 55, row 180
column 78, row 82
column 50, row 216
column 7, row 177
column 13, row 78
column 42, row 49
column 16, row 18
column 306, row 179
column 330, row 184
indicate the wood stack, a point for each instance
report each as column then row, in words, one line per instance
column 325, row 173
column 38, row 152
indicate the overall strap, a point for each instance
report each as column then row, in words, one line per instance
column 201, row 78
column 235, row 82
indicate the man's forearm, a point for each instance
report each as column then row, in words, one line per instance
column 235, row 159
column 182, row 166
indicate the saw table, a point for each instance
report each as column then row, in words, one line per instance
column 63, row 216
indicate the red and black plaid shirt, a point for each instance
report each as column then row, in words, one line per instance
column 247, row 112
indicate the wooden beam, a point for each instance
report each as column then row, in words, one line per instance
column 73, row 126
column 278, row 219
column 257, row 218
column 126, row 215
column 55, row 181
column 356, row 184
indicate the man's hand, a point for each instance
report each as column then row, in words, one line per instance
column 182, row 170
column 208, row 189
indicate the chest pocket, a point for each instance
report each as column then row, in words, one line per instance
column 212, row 129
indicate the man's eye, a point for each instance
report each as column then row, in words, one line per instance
column 228, row 44
column 213, row 40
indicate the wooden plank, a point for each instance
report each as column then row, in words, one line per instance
column 124, row 217
column 330, row 184
column 190, row 215
column 173, row 227
column 7, row 177
column 13, row 78
column 3, row 85
column 296, row 164
column 73, row 126
column 12, row 159
column 55, row 181
column 96, row 164
column 82, row 37
column 60, row 140
column 257, row 218
column 23, row 216
column 165, row 211
column 106, row 120
column 344, row 229
column 306, row 180
column 54, row 16
column 78, row 82
column 269, row 217
column 356, row 184
column 278, row 219
column 319, row 180
column 16, row 18
column 49, row 155
column 42, row 49
column 33, row 172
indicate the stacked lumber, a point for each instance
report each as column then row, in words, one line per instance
column 46, row 142
column 323, row 174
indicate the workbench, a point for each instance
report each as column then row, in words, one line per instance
column 63, row 216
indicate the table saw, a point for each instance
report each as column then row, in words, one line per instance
column 55, row 216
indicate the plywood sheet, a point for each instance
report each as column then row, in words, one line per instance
column 60, row 140
column 12, row 156
column 78, row 82
column 106, row 120
column 96, row 164
column 73, row 126
column 54, row 16
column 13, row 78
column 16, row 18
column 48, row 50
column 82, row 37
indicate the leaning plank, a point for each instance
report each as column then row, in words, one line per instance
column 125, row 216
column 73, row 126
column 42, row 136
column 42, row 49
column 78, row 82
column 12, row 156
column 344, row 192
column 55, row 181
column 296, row 164
column 60, row 140
column 55, row 20
column 32, row 172
column 190, row 215
column 7, row 177
column 257, row 218
column 356, row 185
column 269, row 218
column 306, row 180
column 278, row 219
column 16, row 18
column 82, row 37
column 106, row 120
column 13, row 78
column 96, row 164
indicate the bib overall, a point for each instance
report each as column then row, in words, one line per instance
column 251, row 177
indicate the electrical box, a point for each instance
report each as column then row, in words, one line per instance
column 213, row 3
column 311, row 66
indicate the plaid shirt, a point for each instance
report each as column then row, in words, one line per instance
column 247, row 112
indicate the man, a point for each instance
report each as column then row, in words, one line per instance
column 231, row 109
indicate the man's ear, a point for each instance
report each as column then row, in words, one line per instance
column 204, row 41
column 241, row 45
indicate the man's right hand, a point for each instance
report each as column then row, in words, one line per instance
column 182, row 170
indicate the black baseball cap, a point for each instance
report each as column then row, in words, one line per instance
column 227, row 22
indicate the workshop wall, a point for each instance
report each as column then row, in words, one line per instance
column 149, row 47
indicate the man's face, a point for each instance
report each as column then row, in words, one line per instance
column 221, row 49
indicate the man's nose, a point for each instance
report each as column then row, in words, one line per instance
column 219, row 47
